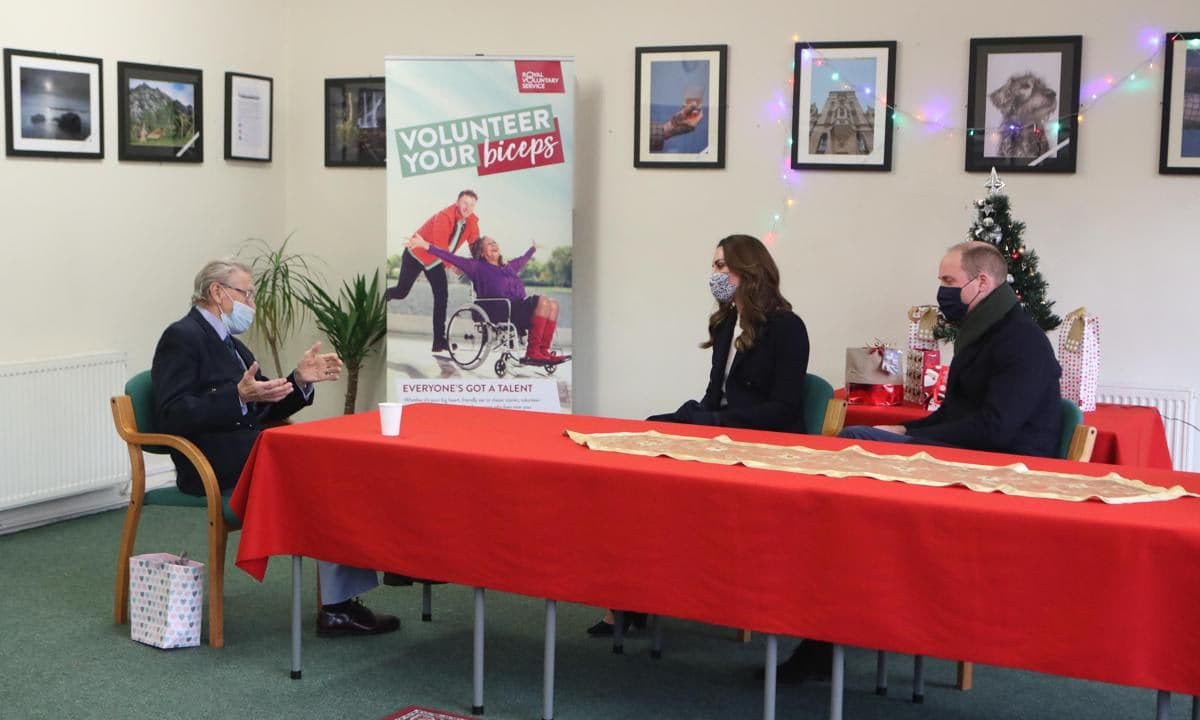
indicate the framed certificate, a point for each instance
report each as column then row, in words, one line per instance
column 249, row 106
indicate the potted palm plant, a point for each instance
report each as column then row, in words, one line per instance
column 279, row 280
column 356, row 330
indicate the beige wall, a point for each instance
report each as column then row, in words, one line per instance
column 99, row 269
column 100, row 255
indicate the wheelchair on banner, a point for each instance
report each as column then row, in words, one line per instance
column 474, row 334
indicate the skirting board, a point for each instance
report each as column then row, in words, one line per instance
column 159, row 473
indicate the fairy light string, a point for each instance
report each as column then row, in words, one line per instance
column 1091, row 95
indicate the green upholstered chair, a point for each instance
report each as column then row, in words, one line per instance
column 1078, row 440
column 133, row 415
column 823, row 414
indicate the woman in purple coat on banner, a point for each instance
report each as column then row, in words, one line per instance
column 495, row 278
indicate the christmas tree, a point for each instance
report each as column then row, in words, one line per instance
column 994, row 224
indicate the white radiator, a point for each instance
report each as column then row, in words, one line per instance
column 56, row 428
column 1179, row 413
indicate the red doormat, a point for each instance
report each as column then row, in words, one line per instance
column 420, row 713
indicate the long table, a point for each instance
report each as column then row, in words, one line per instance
column 502, row 500
column 1125, row 434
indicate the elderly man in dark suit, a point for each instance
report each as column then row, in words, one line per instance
column 208, row 388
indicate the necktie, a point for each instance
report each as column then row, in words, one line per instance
column 233, row 351
column 242, row 363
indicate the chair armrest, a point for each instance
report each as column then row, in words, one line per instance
column 1083, row 441
column 835, row 416
column 126, row 422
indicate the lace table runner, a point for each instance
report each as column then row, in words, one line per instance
column 919, row 469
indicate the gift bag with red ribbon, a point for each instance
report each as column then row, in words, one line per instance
column 873, row 375
column 1079, row 355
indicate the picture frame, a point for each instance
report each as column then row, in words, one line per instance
column 355, row 122
column 840, row 105
column 679, row 101
column 1179, row 151
column 160, row 113
column 54, row 105
column 1023, row 104
column 249, row 117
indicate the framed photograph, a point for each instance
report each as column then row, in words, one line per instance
column 1180, row 150
column 679, row 106
column 840, row 96
column 54, row 106
column 160, row 113
column 1023, row 104
column 249, row 105
column 355, row 122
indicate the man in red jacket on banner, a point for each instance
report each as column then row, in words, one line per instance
column 449, row 230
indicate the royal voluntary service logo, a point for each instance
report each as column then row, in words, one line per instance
column 539, row 76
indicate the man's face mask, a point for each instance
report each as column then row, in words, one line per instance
column 950, row 301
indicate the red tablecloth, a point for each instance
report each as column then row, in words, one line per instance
column 1125, row 434
column 501, row 499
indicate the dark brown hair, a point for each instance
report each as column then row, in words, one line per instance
column 468, row 193
column 477, row 249
column 757, row 293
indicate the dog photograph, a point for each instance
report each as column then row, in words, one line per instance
column 1022, row 96
column 1022, row 104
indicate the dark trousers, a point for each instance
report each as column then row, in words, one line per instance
column 410, row 268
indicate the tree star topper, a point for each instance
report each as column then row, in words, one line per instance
column 994, row 184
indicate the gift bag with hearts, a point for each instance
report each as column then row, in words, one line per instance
column 166, row 600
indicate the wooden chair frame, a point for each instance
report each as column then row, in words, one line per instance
column 835, row 417
column 218, row 530
column 1083, row 442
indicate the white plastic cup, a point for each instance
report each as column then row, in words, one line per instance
column 389, row 417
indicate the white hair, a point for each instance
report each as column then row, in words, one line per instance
column 215, row 271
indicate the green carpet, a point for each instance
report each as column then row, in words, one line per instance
column 62, row 657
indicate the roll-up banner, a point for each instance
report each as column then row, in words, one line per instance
column 479, row 205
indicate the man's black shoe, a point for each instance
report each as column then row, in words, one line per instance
column 353, row 618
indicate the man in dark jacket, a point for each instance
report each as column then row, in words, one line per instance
column 208, row 388
column 1002, row 394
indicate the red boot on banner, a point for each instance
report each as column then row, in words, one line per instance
column 533, row 343
column 544, row 350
